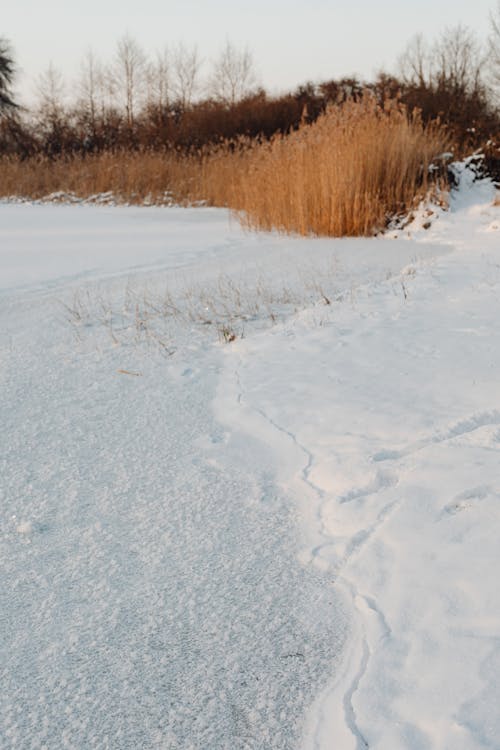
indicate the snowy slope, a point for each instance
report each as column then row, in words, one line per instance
column 391, row 411
column 288, row 541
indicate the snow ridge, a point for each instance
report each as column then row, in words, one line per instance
column 359, row 601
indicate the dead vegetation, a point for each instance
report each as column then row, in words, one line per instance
column 346, row 174
column 224, row 309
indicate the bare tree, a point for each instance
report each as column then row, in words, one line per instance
column 454, row 62
column 494, row 48
column 186, row 66
column 7, row 70
column 127, row 75
column 414, row 63
column 90, row 87
column 233, row 75
column 159, row 81
column 50, row 89
column 458, row 60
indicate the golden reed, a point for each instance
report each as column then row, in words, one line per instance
column 346, row 174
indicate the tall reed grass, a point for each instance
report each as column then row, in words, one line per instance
column 346, row 174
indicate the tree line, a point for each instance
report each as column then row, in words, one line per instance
column 138, row 102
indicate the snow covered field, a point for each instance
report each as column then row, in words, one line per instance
column 285, row 541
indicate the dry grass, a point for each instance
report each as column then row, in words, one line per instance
column 166, row 318
column 346, row 174
column 132, row 177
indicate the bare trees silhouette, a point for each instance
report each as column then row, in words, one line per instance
column 7, row 70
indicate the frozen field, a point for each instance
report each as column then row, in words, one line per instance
column 249, row 484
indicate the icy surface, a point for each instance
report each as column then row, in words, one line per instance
column 150, row 597
column 285, row 541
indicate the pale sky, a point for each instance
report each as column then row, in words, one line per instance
column 291, row 41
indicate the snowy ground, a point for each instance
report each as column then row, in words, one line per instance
column 285, row 541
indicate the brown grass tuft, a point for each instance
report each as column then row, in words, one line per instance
column 346, row 174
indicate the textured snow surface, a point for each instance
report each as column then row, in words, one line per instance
column 288, row 541
column 392, row 408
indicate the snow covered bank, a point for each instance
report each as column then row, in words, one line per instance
column 200, row 549
column 152, row 593
column 385, row 424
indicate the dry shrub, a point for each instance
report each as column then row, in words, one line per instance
column 347, row 173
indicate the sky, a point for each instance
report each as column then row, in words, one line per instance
column 291, row 41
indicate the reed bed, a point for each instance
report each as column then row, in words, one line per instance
column 347, row 174
column 130, row 176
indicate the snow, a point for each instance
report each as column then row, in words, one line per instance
column 286, row 541
column 394, row 404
